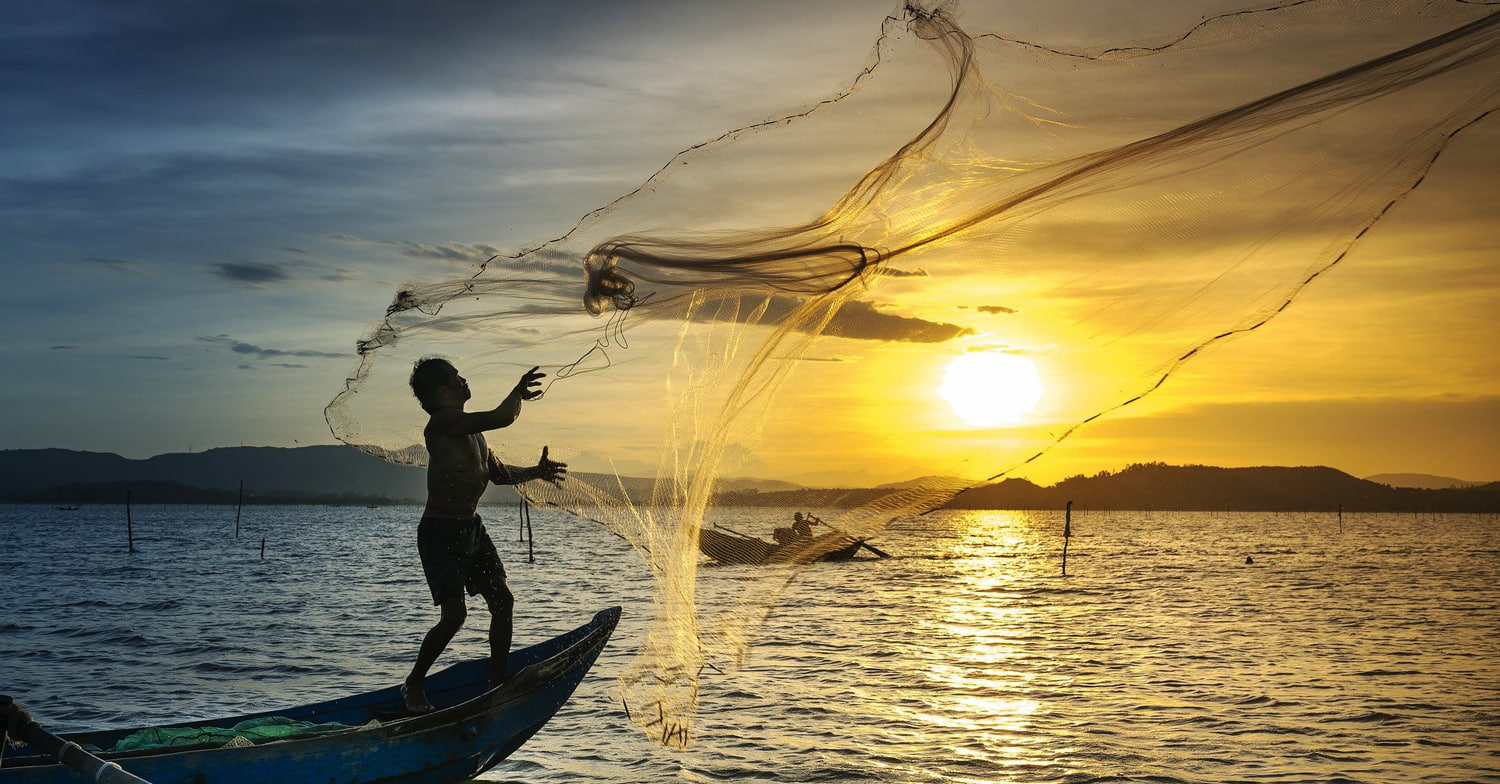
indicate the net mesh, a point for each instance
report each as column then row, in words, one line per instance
column 1107, row 213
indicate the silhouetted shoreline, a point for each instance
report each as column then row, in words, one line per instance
column 341, row 475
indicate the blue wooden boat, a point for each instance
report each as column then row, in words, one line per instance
column 473, row 729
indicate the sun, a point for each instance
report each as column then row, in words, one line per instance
column 991, row 388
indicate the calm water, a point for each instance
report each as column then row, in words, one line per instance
column 1367, row 653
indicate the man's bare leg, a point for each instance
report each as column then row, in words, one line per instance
column 414, row 691
column 502, row 608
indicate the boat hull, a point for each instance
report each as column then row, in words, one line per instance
column 473, row 730
column 732, row 549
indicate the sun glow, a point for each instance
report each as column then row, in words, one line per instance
column 986, row 389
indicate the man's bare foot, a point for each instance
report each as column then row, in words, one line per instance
column 415, row 698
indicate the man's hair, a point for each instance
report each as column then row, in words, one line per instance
column 427, row 376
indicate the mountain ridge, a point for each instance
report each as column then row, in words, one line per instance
column 344, row 475
column 1158, row 486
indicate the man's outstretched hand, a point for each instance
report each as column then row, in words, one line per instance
column 550, row 470
column 530, row 385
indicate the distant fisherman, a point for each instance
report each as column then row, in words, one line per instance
column 456, row 551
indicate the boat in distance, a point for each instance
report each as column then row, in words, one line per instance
column 473, row 729
column 732, row 547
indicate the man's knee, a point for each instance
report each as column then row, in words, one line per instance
column 454, row 613
column 499, row 597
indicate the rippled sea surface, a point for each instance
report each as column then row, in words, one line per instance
column 1361, row 650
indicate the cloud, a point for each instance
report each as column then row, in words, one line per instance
column 456, row 252
column 471, row 254
column 118, row 265
column 995, row 309
column 252, row 274
column 861, row 320
column 259, row 352
column 892, row 272
column 152, row 357
column 451, row 252
column 64, row 348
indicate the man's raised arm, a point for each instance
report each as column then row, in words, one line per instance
column 528, row 388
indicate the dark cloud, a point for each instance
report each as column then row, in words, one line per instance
column 546, row 260
column 454, row 252
column 151, row 357
column 995, row 309
column 252, row 273
column 63, row 348
column 861, row 320
column 290, row 249
column 892, row 272
column 259, row 352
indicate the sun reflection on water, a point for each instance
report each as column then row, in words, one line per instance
column 989, row 687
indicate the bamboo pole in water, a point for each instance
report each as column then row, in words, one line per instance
column 1067, row 535
column 129, row 530
column 238, row 507
column 530, row 539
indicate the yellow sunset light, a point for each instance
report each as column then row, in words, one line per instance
column 991, row 388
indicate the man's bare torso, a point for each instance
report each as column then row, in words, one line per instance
column 458, row 470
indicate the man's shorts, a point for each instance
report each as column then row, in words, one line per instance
column 457, row 554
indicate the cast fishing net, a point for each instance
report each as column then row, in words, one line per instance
column 788, row 294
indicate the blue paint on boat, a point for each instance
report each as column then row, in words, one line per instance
column 473, row 730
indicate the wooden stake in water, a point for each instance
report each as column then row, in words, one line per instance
column 129, row 530
column 1067, row 535
column 238, row 507
column 1341, row 519
column 262, row 548
column 526, row 521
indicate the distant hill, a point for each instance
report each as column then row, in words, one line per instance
column 344, row 475
column 311, row 474
column 271, row 474
column 1422, row 481
column 1206, row 488
column 751, row 485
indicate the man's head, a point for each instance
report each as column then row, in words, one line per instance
column 437, row 384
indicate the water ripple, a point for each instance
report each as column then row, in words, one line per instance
column 1367, row 656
